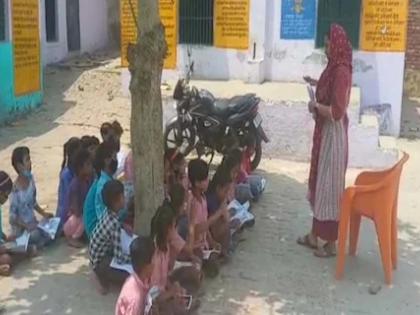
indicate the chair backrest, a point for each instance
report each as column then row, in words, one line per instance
column 385, row 197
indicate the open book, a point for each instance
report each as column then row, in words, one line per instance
column 19, row 245
column 50, row 226
column 125, row 246
column 311, row 92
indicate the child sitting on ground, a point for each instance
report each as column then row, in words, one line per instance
column 8, row 257
column 198, row 219
column 245, row 177
column 217, row 196
column 90, row 143
column 171, row 284
column 105, row 243
column 133, row 296
column 112, row 132
column 66, row 176
column 105, row 165
column 23, row 202
column 79, row 187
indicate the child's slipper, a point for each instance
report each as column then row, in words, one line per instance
column 306, row 242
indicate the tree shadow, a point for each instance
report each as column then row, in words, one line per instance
column 55, row 283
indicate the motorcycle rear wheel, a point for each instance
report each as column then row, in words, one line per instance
column 256, row 159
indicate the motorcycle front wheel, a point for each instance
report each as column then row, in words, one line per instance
column 181, row 137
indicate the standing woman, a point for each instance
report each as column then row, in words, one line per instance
column 330, row 143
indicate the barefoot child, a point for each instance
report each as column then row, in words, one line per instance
column 79, row 187
column 105, row 166
column 66, row 176
column 198, row 217
column 217, row 197
column 23, row 202
column 105, row 243
column 5, row 259
column 132, row 299
column 171, row 285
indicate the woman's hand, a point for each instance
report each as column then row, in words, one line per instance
column 310, row 81
column 312, row 105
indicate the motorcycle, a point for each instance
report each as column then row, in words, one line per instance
column 208, row 125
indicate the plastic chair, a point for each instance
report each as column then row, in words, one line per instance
column 375, row 196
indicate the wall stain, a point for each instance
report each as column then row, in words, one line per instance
column 316, row 58
column 279, row 55
column 360, row 65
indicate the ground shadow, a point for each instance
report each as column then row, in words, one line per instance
column 42, row 119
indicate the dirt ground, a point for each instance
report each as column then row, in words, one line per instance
column 269, row 273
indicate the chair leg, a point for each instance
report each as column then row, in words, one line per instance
column 354, row 233
column 384, row 237
column 342, row 239
column 394, row 243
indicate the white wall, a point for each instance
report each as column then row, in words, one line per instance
column 93, row 24
column 93, row 29
column 54, row 51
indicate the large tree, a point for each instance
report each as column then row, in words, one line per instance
column 146, row 63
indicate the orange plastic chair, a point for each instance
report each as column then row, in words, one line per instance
column 375, row 196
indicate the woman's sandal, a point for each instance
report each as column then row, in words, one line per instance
column 306, row 242
column 325, row 252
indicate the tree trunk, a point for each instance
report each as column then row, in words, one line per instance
column 146, row 63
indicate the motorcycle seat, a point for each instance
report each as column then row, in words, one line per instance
column 236, row 104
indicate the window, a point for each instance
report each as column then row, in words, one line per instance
column 196, row 22
column 51, row 20
column 344, row 12
column 3, row 21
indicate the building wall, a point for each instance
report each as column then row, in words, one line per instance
column 93, row 29
column 290, row 60
column 10, row 105
column 93, row 25
column 54, row 51
column 412, row 70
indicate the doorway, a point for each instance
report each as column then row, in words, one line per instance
column 73, row 25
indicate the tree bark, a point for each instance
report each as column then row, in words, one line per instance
column 146, row 63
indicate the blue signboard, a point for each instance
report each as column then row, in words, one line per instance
column 298, row 19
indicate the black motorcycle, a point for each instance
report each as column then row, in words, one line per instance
column 211, row 125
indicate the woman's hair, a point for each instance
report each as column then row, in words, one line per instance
column 107, row 127
column 220, row 179
column 104, row 151
column 69, row 149
column 80, row 158
column 141, row 252
column 198, row 171
column 18, row 155
column 6, row 183
column 88, row 141
column 111, row 191
column 177, row 195
column 161, row 222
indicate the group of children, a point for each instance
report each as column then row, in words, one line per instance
column 192, row 233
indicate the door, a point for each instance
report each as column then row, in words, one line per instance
column 73, row 25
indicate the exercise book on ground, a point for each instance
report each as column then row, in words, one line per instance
column 126, row 240
column 50, row 226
